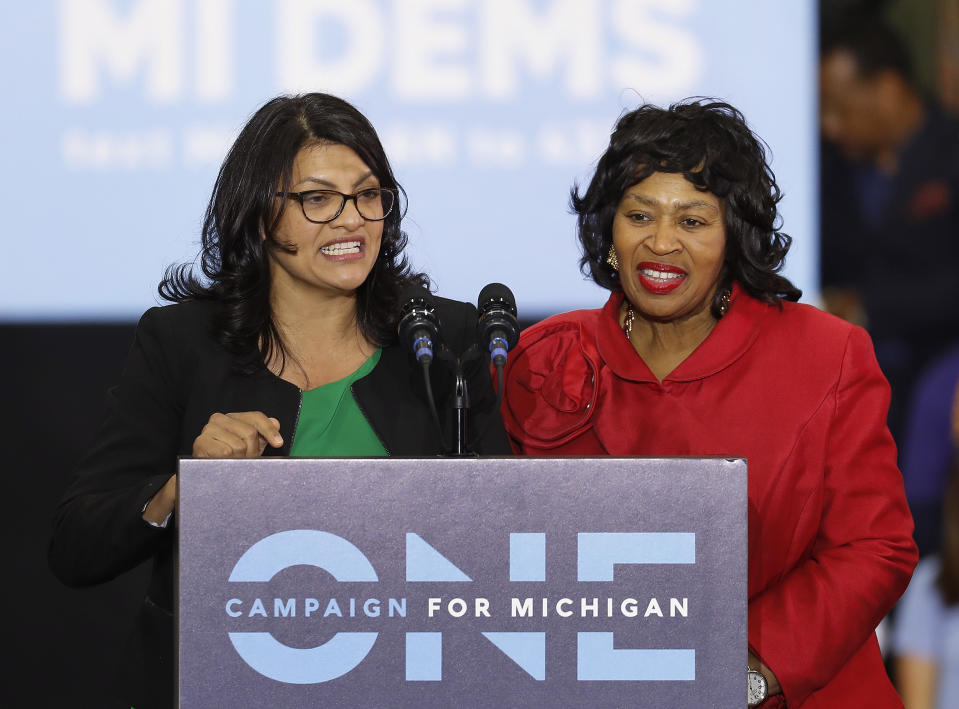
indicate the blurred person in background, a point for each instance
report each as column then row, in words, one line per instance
column 889, row 203
column 947, row 54
column 928, row 449
column 926, row 632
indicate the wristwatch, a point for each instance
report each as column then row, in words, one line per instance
column 756, row 687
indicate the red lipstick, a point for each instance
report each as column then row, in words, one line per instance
column 659, row 278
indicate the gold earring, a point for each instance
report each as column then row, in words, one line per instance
column 612, row 258
column 724, row 302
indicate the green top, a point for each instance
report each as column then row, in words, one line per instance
column 331, row 424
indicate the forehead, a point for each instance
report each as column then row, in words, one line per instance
column 670, row 189
column 838, row 67
column 326, row 161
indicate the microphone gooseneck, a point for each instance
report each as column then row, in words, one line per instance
column 497, row 329
column 419, row 333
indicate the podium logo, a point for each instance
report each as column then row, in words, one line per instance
column 597, row 555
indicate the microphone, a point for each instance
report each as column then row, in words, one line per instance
column 419, row 326
column 497, row 325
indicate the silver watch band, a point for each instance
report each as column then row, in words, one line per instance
column 757, row 688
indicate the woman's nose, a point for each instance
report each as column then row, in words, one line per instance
column 349, row 217
column 663, row 239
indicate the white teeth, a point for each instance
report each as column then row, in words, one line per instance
column 344, row 247
column 660, row 275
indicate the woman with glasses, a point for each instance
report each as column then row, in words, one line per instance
column 284, row 344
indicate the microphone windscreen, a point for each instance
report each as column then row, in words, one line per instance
column 413, row 295
column 417, row 318
column 496, row 295
column 497, row 315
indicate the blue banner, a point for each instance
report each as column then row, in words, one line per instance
column 119, row 113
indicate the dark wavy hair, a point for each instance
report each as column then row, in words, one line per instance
column 709, row 143
column 234, row 258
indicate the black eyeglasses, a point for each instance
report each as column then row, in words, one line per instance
column 321, row 206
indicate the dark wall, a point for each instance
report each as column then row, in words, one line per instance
column 61, row 644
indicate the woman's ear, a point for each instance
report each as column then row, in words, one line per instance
column 265, row 229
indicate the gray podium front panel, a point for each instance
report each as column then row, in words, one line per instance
column 547, row 582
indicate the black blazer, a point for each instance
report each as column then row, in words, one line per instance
column 176, row 376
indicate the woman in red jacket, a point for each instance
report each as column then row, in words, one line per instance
column 701, row 350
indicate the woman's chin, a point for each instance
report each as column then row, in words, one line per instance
column 343, row 277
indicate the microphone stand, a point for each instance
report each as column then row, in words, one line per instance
column 461, row 407
column 461, row 401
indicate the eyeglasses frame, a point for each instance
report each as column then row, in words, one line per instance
column 299, row 196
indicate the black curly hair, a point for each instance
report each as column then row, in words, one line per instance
column 708, row 142
column 234, row 259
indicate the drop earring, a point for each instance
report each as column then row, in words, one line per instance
column 724, row 302
column 612, row 258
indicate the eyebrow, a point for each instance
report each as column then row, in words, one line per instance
column 689, row 204
column 320, row 181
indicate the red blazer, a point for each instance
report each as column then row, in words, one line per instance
column 799, row 394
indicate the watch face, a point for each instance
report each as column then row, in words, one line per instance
column 755, row 688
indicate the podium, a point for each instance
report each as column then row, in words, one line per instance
column 495, row 582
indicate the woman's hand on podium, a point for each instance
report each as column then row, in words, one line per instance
column 237, row 435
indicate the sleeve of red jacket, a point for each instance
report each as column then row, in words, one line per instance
column 827, row 607
column 550, row 388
